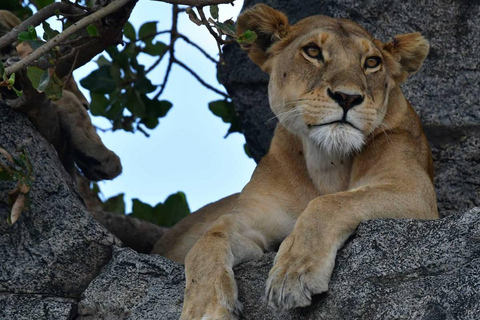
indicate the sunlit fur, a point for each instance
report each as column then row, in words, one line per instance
column 303, row 85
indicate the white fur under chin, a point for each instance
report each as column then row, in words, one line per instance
column 338, row 139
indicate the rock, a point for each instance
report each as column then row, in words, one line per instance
column 138, row 234
column 56, row 248
column 33, row 306
column 444, row 92
column 391, row 269
column 135, row 286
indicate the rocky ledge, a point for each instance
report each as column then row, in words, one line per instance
column 391, row 269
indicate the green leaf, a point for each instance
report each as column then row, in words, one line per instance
column 150, row 123
column 50, row 84
column 222, row 109
column 102, row 61
column 164, row 214
column 115, row 110
column 100, row 81
column 156, row 108
column 226, row 110
column 147, row 31
column 49, row 32
column 193, row 17
column 175, row 208
column 247, row 37
column 225, row 28
column 32, row 32
column 115, row 204
column 34, row 74
column 129, row 31
column 135, row 104
column 99, row 104
column 42, row 3
column 157, row 49
column 93, row 31
column 141, row 210
column 214, row 11
column 144, row 85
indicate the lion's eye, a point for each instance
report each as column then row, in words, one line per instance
column 313, row 52
column 372, row 62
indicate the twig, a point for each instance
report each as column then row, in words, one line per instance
column 112, row 7
column 171, row 50
column 73, row 66
column 164, row 83
column 209, row 27
column 218, row 38
column 206, row 85
column 187, row 40
column 36, row 19
column 103, row 130
column 197, row 3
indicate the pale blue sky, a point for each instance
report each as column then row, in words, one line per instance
column 187, row 151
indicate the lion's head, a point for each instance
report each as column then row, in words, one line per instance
column 330, row 80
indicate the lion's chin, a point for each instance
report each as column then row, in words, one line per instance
column 338, row 139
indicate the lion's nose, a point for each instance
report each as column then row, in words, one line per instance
column 344, row 100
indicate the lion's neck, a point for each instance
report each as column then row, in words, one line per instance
column 329, row 173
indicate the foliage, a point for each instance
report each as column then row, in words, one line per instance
column 165, row 214
column 18, row 169
column 8, row 82
column 120, row 88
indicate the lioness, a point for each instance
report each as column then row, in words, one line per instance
column 349, row 147
column 74, row 137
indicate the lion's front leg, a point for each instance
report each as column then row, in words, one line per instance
column 303, row 265
column 306, row 258
column 211, row 291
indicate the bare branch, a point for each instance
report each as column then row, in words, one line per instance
column 37, row 18
column 187, row 40
column 112, row 7
column 210, row 29
column 197, row 3
column 164, row 83
column 206, row 85
column 69, row 76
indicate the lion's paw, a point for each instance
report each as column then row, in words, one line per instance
column 213, row 298
column 296, row 276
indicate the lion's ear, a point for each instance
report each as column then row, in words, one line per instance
column 270, row 26
column 408, row 51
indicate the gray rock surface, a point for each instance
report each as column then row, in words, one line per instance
column 391, row 269
column 32, row 306
column 444, row 92
column 56, row 248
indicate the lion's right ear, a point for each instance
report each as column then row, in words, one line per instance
column 270, row 26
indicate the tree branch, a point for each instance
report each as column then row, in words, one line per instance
column 187, row 40
column 36, row 19
column 197, row 3
column 112, row 7
column 206, row 85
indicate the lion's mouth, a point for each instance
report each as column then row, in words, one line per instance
column 310, row 126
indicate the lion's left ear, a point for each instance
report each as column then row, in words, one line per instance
column 408, row 51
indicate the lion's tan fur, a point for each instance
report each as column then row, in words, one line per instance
column 66, row 124
column 329, row 167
